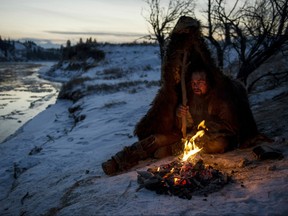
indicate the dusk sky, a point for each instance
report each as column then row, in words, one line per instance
column 60, row 20
column 56, row 21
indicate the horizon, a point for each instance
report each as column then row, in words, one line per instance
column 51, row 24
column 49, row 44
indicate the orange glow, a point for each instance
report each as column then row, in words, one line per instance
column 177, row 180
column 190, row 148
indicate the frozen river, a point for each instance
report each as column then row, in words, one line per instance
column 23, row 94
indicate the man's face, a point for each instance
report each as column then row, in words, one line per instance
column 199, row 83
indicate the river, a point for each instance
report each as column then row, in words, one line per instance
column 23, row 94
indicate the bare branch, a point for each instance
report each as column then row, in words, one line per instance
column 162, row 19
column 255, row 29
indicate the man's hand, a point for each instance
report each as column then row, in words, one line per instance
column 182, row 110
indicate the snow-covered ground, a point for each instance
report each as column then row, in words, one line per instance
column 52, row 165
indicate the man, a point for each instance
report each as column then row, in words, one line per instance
column 212, row 96
column 203, row 104
column 206, row 103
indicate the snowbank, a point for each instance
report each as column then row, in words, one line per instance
column 52, row 166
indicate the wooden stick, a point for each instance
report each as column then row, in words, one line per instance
column 184, row 94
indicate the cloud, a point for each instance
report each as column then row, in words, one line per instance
column 116, row 34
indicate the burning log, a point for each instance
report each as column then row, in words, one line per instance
column 182, row 179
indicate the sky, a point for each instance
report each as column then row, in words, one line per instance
column 57, row 21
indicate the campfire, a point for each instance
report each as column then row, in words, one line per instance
column 184, row 176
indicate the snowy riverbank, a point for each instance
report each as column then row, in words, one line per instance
column 52, row 166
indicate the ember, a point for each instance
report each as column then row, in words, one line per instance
column 181, row 179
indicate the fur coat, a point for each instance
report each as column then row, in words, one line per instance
column 161, row 117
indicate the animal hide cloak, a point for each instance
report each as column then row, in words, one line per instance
column 160, row 118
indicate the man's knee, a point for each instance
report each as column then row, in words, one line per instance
column 166, row 139
column 217, row 146
column 165, row 144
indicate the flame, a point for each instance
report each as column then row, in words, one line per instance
column 202, row 125
column 190, row 148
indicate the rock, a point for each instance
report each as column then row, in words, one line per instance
column 265, row 152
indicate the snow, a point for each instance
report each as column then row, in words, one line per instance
column 20, row 46
column 52, row 165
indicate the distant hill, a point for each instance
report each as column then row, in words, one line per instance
column 26, row 51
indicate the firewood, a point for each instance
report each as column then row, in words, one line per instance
column 182, row 179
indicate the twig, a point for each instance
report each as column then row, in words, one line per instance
column 127, row 188
column 24, row 197
column 282, row 75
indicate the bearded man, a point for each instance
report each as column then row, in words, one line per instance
column 212, row 96
column 204, row 103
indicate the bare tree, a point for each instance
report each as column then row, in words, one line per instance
column 218, row 27
column 255, row 30
column 162, row 19
column 265, row 30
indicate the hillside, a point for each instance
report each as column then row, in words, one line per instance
column 12, row 51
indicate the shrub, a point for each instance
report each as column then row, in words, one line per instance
column 73, row 89
column 82, row 52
